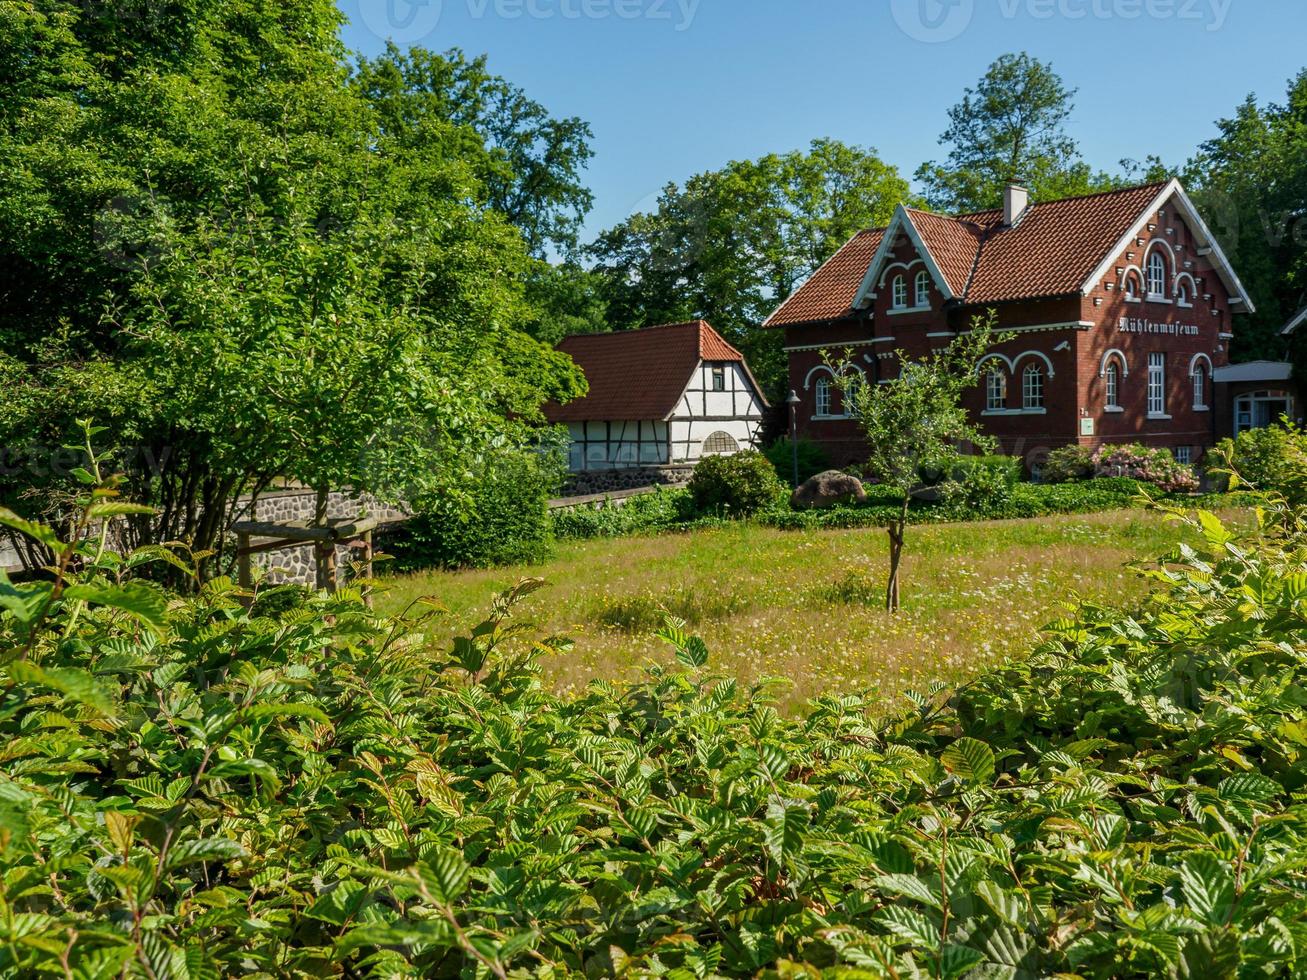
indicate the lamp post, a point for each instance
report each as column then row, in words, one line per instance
column 793, row 401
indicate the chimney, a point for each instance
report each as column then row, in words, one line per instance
column 1015, row 201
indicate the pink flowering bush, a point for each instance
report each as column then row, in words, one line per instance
column 1153, row 466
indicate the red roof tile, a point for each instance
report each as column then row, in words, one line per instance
column 639, row 375
column 1051, row 251
column 953, row 244
column 829, row 293
column 1056, row 246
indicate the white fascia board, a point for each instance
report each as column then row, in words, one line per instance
column 902, row 221
column 1295, row 323
column 1204, row 234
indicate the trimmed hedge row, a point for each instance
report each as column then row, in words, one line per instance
column 672, row 510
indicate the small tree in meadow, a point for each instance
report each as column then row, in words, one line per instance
column 916, row 424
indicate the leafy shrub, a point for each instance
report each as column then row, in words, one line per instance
column 1153, row 466
column 1068, row 464
column 663, row 509
column 190, row 789
column 500, row 519
column 1006, row 469
column 1270, row 459
column 813, row 459
column 736, row 485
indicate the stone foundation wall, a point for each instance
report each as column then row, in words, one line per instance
column 609, row 481
column 283, row 506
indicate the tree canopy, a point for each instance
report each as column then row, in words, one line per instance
column 733, row 243
column 1010, row 128
column 1251, row 183
column 221, row 250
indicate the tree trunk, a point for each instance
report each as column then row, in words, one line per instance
column 325, row 555
column 897, row 532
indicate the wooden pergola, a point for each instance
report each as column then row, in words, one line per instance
column 259, row 537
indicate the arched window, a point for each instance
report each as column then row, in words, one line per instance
column 823, row 392
column 1032, row 387
column 1131, row 286
column 900, row 293
column 853, row 386
column 1156, row 275
column 1200, row 385
column 996, row 389
column 1182, row 296
column 1112, row 381
column 923, row 289
column 720, row 444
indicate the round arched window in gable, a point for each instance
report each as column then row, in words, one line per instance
column 720, row 444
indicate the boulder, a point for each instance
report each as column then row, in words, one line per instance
column 829, row 489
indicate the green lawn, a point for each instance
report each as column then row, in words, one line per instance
column 805, row 606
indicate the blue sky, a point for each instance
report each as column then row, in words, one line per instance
column 676, row 87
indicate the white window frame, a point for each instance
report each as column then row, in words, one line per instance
column 1200, row 387
column 822, row 394
column 1112, row 385
column 1131, row 288
column 1182, row 297
column 922, row 290
column 1032, row 388
column 900, row 293
column 1184, row 455
column 1157, row 385
column 996, row 389
column 1156, row 275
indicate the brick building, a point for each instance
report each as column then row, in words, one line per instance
column 1122, row 307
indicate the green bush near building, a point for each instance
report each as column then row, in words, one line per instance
column 735, row 486
column 1273, row 459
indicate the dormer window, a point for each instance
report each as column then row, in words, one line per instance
column 1156, row 276
column 900, row 293
column 923, row 289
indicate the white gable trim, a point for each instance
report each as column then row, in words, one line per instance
column 1295, row 323
column 902, row 221
column 1204, row 235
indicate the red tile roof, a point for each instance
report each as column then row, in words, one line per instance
column 1051, row 251
column 640, row 375
column 829, row 294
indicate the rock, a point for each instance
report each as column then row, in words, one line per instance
column 828, row 489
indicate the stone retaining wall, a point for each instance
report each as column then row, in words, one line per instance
column 301, row 504
column 284, row 506
column 593, row 482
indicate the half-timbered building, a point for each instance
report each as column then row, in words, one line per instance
column 662, row 396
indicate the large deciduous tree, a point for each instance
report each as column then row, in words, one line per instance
column 216, row 248
column 1251, row 183
column 731, row 244
column 1009, row 128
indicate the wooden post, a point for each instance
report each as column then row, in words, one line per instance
column 244, row 562
column 367, row 562
column 328, row 565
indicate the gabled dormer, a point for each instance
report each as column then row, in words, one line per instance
column 904, row 269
